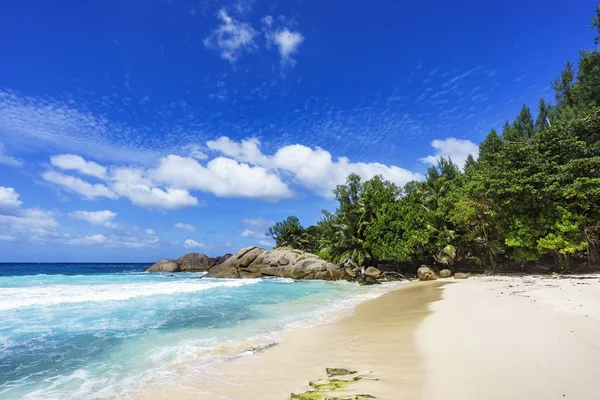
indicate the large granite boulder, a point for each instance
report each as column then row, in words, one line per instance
column 191, row 262
column 283, row 262
column 424, row 273
column 196, row 262
column 461, row 275
column 165, row 266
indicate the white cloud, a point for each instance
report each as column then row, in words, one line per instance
column 223, row 177
column 185, row 227
column 132, row 183
column 255, row 227
column 7, row 238
column 288, row 43
column 231, row 37
column 27, row 223
column 104, row 218
column 9, row 199
column 121, row 239
column 267, row 20
column 315, row 169
column 30, row 219
column 458, row 150
column 247, row 150
column 141, row 190
column 8, row 160
column 195, row 151
column 87, row 240
column 192, row 244
column 78, row 185
column 147, row 239
column 77, row 163
column 266, row 243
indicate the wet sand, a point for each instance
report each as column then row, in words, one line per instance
column 482, row 338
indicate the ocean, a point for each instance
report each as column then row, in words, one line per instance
column 91, row 331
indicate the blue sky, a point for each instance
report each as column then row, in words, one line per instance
column 138, row 130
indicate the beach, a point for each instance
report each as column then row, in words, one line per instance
column 486, row 337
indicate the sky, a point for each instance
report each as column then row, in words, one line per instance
column 136, row 130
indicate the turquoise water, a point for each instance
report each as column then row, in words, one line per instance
column 111, row 330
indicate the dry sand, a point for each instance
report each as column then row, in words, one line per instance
column 482, row 338
column 514, row 338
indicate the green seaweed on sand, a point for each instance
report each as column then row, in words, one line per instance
column 338, row 371
column 323, row 388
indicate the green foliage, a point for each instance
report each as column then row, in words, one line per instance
column 543, row 118
column 490, row 146
column 289, row 233
column 596, row 25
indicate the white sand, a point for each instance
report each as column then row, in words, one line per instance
column 514, row 338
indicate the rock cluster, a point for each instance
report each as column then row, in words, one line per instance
column 424, row 273
column 191, row 262
column 283, row 262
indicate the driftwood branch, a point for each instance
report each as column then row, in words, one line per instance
column 395, row 274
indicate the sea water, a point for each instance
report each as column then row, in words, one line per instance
column 86, row 331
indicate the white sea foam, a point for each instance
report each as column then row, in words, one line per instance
column 14, row 298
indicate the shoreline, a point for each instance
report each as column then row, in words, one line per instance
column 492, row 337
column 371, row 341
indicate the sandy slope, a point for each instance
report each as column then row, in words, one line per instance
column 514, row 338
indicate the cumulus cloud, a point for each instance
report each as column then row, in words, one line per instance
column 78, row 185
column 288, row 43
column 129, row 182
column 243, row 171
column 79, row 164
column 185, row 227
column 221, row 176
column 104, row 218
column 457, row 149
column 311, row 167
column 9, row 199
column 192, row 244
column 8, row 160
column 134, row 184
column 247, row 150
column 195, row 151
column 231, row 37
column 316, row 169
